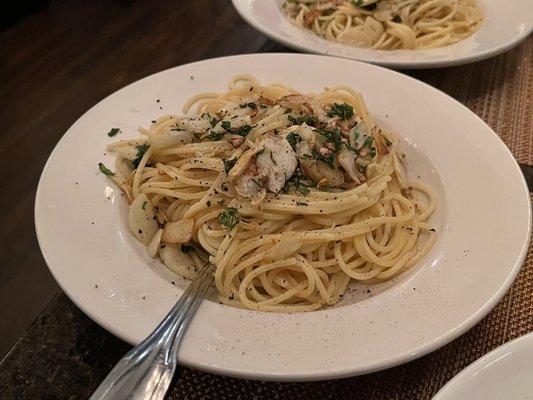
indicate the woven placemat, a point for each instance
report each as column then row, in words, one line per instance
column 499, row 90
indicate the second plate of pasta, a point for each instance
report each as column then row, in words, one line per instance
column 395, row 33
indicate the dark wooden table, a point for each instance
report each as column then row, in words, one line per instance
column 55, row 65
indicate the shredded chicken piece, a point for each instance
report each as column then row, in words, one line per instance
column 275, row 162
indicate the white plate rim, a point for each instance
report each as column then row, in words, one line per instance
column 484, row 361
column 398, row 63
column 356, row 370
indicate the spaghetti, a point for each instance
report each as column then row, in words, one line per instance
column 387, row 24
column 292, row 195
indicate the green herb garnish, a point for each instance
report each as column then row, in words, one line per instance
column 228, row 164
column 113, row 132
column 296, row 181
column 293, row 139
column 144, row 205
column 310, row 120
column 105, row 170
column 229, row 218
column 303, row 189
column 345, row 111
column 141, row 149
column 368, row 141
column 250, row 105
column 300, row 203
column 242, row 131
column 334, row 137
column 226, row 125
column 215, row 135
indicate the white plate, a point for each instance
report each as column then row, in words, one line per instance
column 503, row 374
column 483, row 223
column 506, row 24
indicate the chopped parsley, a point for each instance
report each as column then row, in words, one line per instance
column 228, row 164
column 388, row 143
column 249, row 105
column 113, row 132
column 293, row 139
column 303, row 189
column 345, row 111
column 368, row 141
column 215, row 135
column 213, row 121
column 296, row 181
column 356, row 133
column 242, row 131
column 334, row 137
column 226, row 125
column 144, row 205
column 229, row 218
column 105, row 170
column 301, row 203
column 310, row 120
column 397, row 19
column 141, row 149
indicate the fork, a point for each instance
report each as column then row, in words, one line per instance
column 146, row 371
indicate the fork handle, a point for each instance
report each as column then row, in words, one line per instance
column 146, row 371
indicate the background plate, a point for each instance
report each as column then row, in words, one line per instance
column 504, row 373
column 505, row 25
